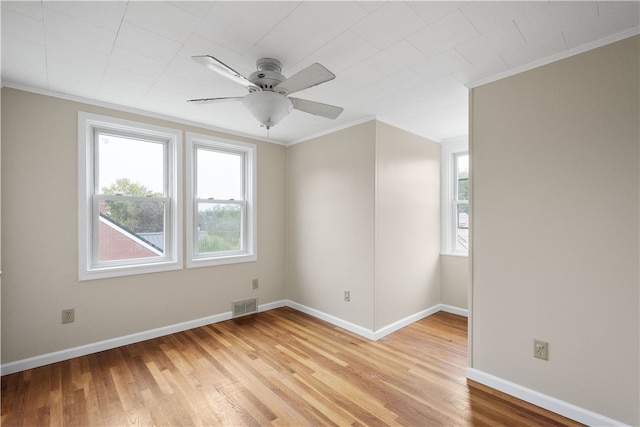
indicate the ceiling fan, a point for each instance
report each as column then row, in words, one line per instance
column 268, row 98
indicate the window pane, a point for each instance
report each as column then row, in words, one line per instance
column 130, row 230
column 462, row 227
column 130, row 166
column 219, row 227
column 219, row 175
column 462, row 177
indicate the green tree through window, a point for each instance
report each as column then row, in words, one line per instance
column 220, row 227
column 135, row 216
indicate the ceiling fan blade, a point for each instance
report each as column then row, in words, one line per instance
column 221, row 68
column 212, row 100
column 317, row 108
column 313, row 75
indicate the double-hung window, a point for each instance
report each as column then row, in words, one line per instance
column 221, row 216
column 455, row 197
column 460, row 203
column 129, row 197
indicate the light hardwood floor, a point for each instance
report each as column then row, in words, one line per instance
column 279, row 367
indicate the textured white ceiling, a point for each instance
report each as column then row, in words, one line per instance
column 408, row 63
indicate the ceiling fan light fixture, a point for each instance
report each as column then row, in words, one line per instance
column 267, row 107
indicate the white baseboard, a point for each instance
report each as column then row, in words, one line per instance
column 271, row 305
column 83, row 350
column 352, row 327
column 384, row 331
column 542, row 400
column 58, row 356
column 454, row 310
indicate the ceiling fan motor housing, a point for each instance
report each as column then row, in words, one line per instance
column 268, row 74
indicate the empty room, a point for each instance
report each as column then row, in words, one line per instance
column 320, row 213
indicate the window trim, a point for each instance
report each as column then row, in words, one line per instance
column 450, row 148
column 88, row 123
column 249, row 151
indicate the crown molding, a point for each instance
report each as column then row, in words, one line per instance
column 556, row 57
column 137, row 111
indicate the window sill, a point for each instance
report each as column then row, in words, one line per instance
column 454, row 254
column 210, row 262
column 119, row 271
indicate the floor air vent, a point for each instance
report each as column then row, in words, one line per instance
column 241, row 308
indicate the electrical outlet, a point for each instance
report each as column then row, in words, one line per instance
column 68, row 315
column 541, row 349
column 347, row 296
column 254, row 283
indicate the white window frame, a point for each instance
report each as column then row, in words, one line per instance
column 449, row 150
column 89, row 268
column 249, row 204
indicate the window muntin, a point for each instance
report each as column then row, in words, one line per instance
column 455, row 210
column 461, row 203
column 221, row 201
column 129, row 197
column 221, row 215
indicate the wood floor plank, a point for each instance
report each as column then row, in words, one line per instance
column 278, row 368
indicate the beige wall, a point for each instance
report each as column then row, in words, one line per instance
column 555, row 256
column 330, row 218
column 407, row 242
column 363, row 215
column 454, row 280
column 337, row 208
column 40, row 239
